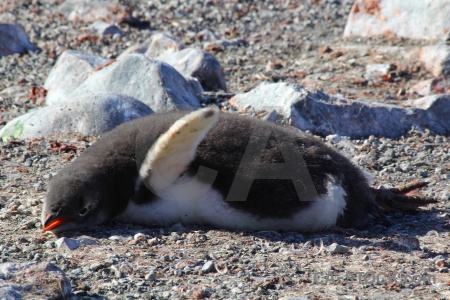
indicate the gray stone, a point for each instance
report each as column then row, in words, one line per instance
column 24, row 281
column 14, row 39
column 91, row 114
column 409, row 243
column 337, row 249
column 375, row 71
column 333, row 138
column 221, row 45
column 89, row 11
column 151, row 276
column 86, row 241
column 71, row 69
column 208, row 266
column 414, row 19
column 72, row 244
column 271, row 116
column 136, row 48
column 439, row 262
column 196, row 87
column 67, row 244
column 155, row 83
column 323, row 114
column 201, row 65
column 104, row 28
column 206, row 35
column 161, row 45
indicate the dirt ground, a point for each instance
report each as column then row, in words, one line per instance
column 295, row 41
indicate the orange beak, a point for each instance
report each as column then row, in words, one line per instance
column 51, row 222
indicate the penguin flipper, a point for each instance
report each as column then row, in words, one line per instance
column 172, row 152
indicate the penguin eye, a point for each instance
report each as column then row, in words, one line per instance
column 83, row 211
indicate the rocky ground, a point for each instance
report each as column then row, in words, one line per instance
column 296, row 41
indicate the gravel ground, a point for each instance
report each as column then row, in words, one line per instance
column 285, row 41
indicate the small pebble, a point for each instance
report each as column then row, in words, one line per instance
column 208, row 266
column 337, row 249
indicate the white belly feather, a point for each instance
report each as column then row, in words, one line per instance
column 211, row 209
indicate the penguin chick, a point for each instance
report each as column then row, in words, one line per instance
column 223, row 170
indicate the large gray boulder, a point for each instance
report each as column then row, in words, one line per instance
column 413, row 19
column 33, row 280
column 71, row 69
column 14, row 39
column 323, row 114
column 199, row 64
column 155, row 83
column 90, row 114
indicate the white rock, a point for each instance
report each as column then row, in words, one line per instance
column 422, row 88
column 155, row 83
column 14, row 39
column 139, row 236
column 378, row 70
column 333, row 138
column 323, row 114
column 136, row 48
column 90, row 114
column 414, row 19
column 89, row 11
column 72, row 244
column 337, row 249
column 201, row 65
column 435, row 58
column 406, row 166
column 70, row 70
column 67, row 244
column 162, row 44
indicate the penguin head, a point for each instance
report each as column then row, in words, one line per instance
column 74, row 200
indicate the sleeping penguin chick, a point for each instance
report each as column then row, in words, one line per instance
column 223, row 170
